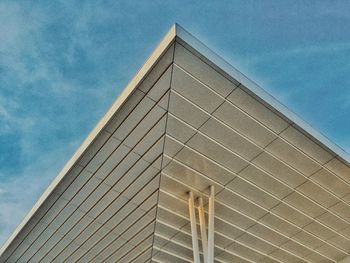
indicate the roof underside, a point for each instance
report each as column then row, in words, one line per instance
column 185, row 122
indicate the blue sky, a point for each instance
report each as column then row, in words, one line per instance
column 62, row 63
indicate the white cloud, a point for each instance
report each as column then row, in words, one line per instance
column 301, row 51
column 19, row 192
column 21, row 31
column 27, row 56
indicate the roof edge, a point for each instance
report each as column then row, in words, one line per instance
column 262, row 94
column 131, row 86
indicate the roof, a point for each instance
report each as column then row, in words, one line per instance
column 187, row 120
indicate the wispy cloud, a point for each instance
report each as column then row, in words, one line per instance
column 19, row 191
column 57, row 77
column 37, row 103
column 310, row 50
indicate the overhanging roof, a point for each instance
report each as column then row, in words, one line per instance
column 187, row 120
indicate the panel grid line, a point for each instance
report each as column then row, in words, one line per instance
column 275, row 133
column 207, row 119
column 263, row 208
column 171, row 239
column 166, row 125
column 241, row 213
column 155, row 105
column 311, row 200
column 289, row 222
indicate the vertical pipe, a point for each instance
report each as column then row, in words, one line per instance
column 203, row 230
column 211, row 226
column 193, row 228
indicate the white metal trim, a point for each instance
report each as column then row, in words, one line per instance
column 193, row 221
column 203, row 229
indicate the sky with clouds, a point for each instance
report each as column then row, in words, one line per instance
column 62, row 64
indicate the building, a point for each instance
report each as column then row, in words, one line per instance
column 192, row 140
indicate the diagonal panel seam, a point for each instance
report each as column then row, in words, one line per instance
column 162, row 158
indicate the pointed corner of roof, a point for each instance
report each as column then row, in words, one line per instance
column 176, row 28
column 177, row 31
